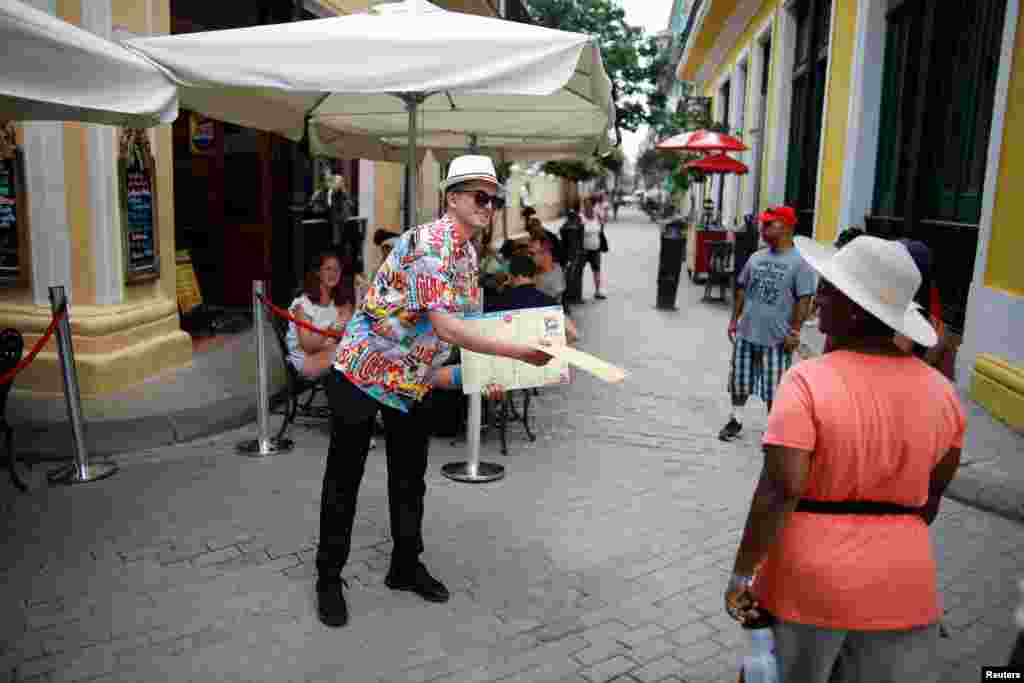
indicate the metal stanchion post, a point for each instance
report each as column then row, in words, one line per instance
column 81, row 470
column 473, row 470
column 263, row 445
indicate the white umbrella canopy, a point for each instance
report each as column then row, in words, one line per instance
column 507, row 83
column 55, row 71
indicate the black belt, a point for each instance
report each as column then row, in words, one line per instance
column 854, row 507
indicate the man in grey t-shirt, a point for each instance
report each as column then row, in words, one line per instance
column 773, row 299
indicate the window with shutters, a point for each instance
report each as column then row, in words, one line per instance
column 940, row 69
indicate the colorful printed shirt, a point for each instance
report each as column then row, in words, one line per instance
column 390, row 346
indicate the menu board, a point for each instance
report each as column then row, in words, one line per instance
column 9, row 184
column 526, row 326
column 138, row 207
column 189, row 295
column 202, row 134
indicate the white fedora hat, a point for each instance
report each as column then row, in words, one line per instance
column 878, row 275
column 470, row 167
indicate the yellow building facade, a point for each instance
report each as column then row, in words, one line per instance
column 122, row 331
column 825, row 94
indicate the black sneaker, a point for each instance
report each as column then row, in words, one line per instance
column 418, row 581
column 330, row 602
column 731, row 430
column 600, row 296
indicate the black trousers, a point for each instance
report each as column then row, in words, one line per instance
column 408, row 438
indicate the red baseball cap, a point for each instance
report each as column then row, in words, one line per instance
column 785, row 214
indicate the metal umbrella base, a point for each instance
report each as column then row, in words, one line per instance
column 73, row 474
column 474, row 473
column 258, row 448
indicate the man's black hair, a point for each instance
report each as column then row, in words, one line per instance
column 847, row 236
column 522, row 266
column 457, row 187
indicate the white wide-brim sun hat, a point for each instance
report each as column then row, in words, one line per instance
column 879, row 276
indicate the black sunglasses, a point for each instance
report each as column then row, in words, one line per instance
column 484, row 200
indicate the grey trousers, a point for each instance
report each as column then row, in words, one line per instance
column 807, row 654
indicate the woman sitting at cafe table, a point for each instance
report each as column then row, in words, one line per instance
column 860, row 447
column 326, row 302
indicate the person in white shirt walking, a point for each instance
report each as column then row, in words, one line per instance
column 592, row 243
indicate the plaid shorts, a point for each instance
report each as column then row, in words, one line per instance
column 757, row 370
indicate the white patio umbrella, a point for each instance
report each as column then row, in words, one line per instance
column 405, row 76
column 408, row 75
column 55, row 71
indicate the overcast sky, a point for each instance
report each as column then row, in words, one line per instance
column 652, row 15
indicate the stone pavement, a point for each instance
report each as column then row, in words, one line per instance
column 602, row 556
column 213, row 394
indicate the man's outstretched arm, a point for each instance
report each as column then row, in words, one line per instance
column 456, row 332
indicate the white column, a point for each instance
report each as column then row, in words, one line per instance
column 101, row 160
column 47, row 200
column 756, row 137
column 718, row 181
column 865, row 110
column 778, row 139
column 737, row 118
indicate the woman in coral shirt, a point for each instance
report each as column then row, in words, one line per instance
column 860, row 446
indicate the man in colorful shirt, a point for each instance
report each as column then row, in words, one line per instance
column 392, row 355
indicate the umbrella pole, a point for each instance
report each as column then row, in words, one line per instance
column 472, row 470
column 412, row 105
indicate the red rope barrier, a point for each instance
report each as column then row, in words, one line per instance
column 281, row 313
column 9, row 375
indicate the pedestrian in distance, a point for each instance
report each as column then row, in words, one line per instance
column 861, row 445
column 592, row 232
column 550, row 276
column 773, row 299
column 522, row 292
column 392, row 355
column 385, row 240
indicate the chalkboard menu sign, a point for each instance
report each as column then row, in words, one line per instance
column 12, row 208
column 137, row 181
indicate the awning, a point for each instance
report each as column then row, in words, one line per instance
column 55, row 71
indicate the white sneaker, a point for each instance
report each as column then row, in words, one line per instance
column 373, row 443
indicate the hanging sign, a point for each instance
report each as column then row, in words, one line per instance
column 202, row 133
column 189, row 295
column 12, row 208
column 137, row 176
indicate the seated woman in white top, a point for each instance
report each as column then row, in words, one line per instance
column 327, row 303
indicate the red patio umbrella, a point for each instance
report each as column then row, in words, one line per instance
column 718, row 163
column 702, row 141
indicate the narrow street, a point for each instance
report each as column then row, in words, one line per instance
column 602, row 556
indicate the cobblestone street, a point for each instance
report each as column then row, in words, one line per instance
column 602, row 556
